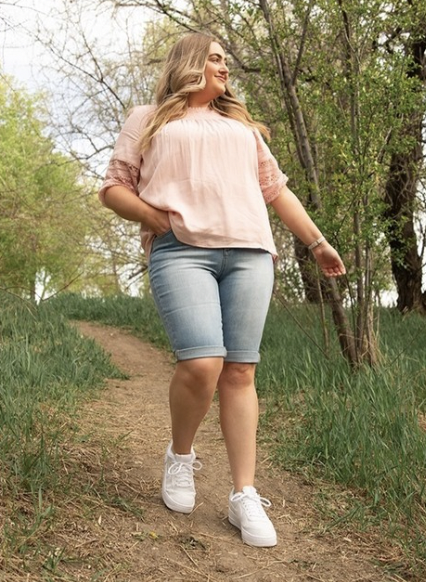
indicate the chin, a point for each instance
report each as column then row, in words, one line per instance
column 221, row 91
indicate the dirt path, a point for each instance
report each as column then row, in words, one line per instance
column 121, row 532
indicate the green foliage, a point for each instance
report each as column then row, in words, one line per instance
column 46, row 366
column 42, row 225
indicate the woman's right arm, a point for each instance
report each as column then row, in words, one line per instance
column 124, row 203
column 119, row 191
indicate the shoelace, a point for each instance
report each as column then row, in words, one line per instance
column 184, row 472
column 253, row 504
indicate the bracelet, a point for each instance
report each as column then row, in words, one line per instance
column 316, row 243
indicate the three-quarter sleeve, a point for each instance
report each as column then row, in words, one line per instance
column 271, row 178
column 126, row 160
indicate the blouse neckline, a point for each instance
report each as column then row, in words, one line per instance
column 201, row 111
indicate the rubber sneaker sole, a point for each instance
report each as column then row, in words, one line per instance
column 170, row 503
column 251, row 539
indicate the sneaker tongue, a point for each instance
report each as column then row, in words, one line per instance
column 249, row 490
column 184, row 458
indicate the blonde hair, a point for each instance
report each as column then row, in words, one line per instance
column 183, row 73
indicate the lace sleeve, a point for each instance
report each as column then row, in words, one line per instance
column 271, row 179
column 120, row 174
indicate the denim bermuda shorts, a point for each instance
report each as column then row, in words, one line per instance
column 213, row 302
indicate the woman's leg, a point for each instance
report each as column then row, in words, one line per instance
column 191, row 392
column 238, row 418
column 185, row 288
column 245, row 291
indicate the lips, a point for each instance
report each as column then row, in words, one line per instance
column 221, row 79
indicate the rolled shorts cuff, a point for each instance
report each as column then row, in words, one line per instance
column 243, row 357
column 201, row 352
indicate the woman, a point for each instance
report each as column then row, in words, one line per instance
column 194, row 171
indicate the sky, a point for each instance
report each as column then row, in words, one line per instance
column 18, row 53
column 33, row 67
column 26, row 60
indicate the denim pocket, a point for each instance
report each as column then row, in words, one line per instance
column 159, row 238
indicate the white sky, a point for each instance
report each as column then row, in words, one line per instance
column 31, row 64
column 24, row 59
column 18, row 54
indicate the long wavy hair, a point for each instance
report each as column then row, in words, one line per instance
column 183, row 74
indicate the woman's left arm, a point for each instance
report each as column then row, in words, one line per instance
column 294, row 216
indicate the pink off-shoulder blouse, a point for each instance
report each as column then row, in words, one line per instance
column 213, row 175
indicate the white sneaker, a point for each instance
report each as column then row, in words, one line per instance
column 178, row 489
column 247, row 514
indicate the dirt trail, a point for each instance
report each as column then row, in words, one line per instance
column 124, row 435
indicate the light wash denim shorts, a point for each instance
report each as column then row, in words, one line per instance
column 213, row 302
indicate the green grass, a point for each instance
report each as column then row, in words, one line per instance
column 357, row 429
column 46, row 367
column 137, row 315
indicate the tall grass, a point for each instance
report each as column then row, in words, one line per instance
column 359, row 428
column 362, row 429
column 46, row 366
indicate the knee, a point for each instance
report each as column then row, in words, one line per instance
column 237, row 375
column 201, row 371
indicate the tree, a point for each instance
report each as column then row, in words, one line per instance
column 99, row 85
column 328, row 80
column 406, row 166
column 322, row 77
column 42, row 226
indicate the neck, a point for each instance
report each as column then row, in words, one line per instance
column 198, row 103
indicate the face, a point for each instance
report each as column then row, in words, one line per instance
column 216, row 73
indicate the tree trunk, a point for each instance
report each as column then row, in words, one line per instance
column 401, row 189
column 308, row 274
column 306, row 158
column 400, row 196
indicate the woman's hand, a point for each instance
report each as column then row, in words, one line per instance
column 156, row 220
column 294, row 216
column 128, row 205
column 328, row 260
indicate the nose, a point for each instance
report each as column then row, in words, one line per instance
column 224, row 67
